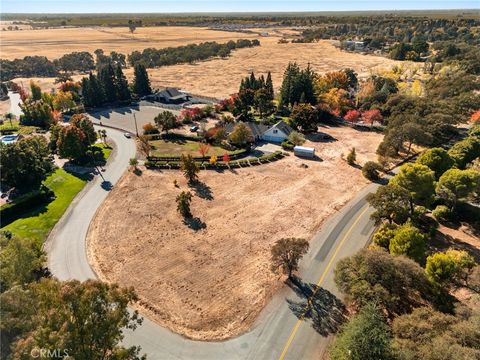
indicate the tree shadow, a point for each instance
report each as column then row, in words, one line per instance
column 194, row 223
column 441, row 242
column 106, row 185
column 202, row 190
column 322, row 308
column 320, row 137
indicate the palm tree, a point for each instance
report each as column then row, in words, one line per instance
column 9, row 116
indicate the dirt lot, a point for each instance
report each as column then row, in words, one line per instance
column 217, row 77
column 212, row 283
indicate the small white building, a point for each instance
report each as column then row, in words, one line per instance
column 278, row 132
column 304, row 151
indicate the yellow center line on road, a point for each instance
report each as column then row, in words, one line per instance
column 320, row 281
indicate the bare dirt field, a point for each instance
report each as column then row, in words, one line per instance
column 216, row 77
column 212, row 283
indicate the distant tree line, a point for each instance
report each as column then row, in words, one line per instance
column 41, row 66
column 151, row 57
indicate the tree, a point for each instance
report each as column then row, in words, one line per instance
column 189, row 168
column 144, row 145
column 304, row 118
column 286, row 253
column 335, row 101
column 372, row 116
column 431, row 335
column 36, row 91
column 102, row 133
column 262, row 102
column 396, row 284
column 204, row 149
column 240, row 135
column 21, row 260
column 121, row 85
column 93, row 93
column 106, row 76
column 391, row 203
column 296, row 138
column 352, row 157
column 71, row 143
column 131, row 26
column 352, row 116
column 226, row 158
column 166, row 121
column 370, row 170
column 141, row 82
column 183, row 204
column 384, row 235
column 455, row 185
column 85, row 319
column 133, row 162
column 26, row 163
column 418, row 180
column 450, row 267
column 10, row 117
column 437, row 159
column 365, row 337
column 409, row 241
column 82, row 122
column 63, row 101
column 465, row 151
column 36, row 113
column 269, row 86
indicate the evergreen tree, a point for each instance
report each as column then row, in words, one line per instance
column 141, row 82
column 306, row 81
column 288, row 91
column 269, row 86
column 253, row 81
column 121, row 85
column 106, row 77
column 92, row 91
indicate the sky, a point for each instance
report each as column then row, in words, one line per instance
column 175, row 6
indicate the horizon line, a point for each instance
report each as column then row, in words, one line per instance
column 242, row 12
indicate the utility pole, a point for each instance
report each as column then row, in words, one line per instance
column 136, row 127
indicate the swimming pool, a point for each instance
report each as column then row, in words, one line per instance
column 8, row 139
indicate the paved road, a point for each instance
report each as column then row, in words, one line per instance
column 66, row 244
column 281, row 332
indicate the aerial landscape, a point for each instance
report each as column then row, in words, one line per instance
column 240, row 180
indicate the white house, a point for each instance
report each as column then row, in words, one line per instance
column 277, row 133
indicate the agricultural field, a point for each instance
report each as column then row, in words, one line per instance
column 212, row 283
column 216, row 77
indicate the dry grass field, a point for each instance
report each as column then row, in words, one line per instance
column 212, row 283
column 53, row 43
column 216, row 77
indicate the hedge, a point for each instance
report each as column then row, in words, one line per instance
column 233, row 155
column 12, row 211
column 219, row 165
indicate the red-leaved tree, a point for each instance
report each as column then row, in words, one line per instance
column 352, row 116
column 204, row 149
column 226, row 158
column 372, row 116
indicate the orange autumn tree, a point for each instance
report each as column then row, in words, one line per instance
column 204, row 149
column 475, row 117
column 371, row 116
column 352, row 116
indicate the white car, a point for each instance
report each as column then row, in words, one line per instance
column 127, row 135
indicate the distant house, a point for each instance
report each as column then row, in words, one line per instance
column 278, row 132
column 170, row 96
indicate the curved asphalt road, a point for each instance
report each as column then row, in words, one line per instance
column 278, row 333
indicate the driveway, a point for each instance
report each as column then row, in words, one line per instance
column 124, row 117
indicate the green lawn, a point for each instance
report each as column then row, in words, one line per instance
column 38, row 223
column 179, row 147
column 106, row 149
column 13, row 127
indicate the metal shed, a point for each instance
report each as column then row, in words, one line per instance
column 303, row 151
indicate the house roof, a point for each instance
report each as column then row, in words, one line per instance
column 171, row 93
column 283, row 127
column 256, row 128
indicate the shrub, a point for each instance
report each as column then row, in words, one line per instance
column 442, row 213
column 370, row 170
column 351, row 157
column 149, row 129
column 287, row 145
column 384, row 235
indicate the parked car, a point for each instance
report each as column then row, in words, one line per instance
column 194, row 128
column 127, row 135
